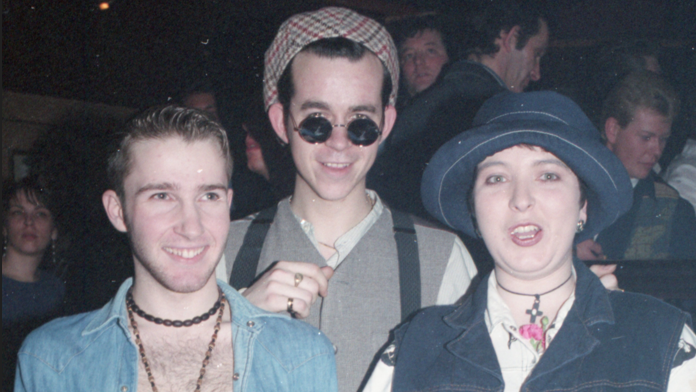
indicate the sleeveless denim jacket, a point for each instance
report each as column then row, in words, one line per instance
column 609, row 341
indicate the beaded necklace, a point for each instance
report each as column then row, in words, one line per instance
column 131, row 306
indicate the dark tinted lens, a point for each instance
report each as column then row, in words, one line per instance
column 315, row 129
column 363, row 131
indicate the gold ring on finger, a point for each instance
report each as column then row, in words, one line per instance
column 290, row 301
column 298, row 279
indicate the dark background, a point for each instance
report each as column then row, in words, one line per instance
column 140, row 53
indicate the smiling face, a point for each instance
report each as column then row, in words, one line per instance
column 422, row 58
column 524, row 64
column 341, row 91
column 639, row 145
column 29, row 227
column 176, row 211
column 527, row 205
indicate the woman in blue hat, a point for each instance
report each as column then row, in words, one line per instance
column 532, row 179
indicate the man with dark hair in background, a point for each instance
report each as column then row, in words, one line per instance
column 506, row 40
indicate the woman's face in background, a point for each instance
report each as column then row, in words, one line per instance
column 29, row 227
column 527, row 206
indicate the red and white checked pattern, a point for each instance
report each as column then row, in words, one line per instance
column 330, row 22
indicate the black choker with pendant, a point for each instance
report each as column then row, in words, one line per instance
column 534, row 312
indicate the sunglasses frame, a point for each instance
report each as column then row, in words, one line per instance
column 351, row 135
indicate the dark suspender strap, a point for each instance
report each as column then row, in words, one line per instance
column 409, row 263
column 247, row 261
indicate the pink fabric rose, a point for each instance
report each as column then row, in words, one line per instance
column 532, row 331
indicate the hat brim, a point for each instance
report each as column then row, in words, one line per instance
column 450, row 173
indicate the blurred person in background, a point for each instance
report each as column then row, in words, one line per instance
column 614, row 62
column 681, row 173
column 505, row 42
column 269, row 172
column 637, row 117
column 31, row 293
column 424, row 47
column 201, row 96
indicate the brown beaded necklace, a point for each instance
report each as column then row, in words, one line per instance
column 131, row 303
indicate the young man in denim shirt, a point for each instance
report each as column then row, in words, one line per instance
column 169, row 194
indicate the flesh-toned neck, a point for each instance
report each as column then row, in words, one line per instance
column 549, row 303
column 157, row 300
column 22, row 268
column 330, row 218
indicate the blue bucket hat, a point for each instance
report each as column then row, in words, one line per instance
column 545, row 119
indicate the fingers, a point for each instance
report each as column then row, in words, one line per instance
column 271, row 295
column 312, row 275
column 302, row 282
column 601, row 269
column 605, row 273
column 328, row 273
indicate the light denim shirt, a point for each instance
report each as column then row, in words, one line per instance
column 95, row 352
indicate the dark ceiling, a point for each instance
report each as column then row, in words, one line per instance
column 138, row 53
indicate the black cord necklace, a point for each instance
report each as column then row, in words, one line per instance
column 534, row 311
column 173, row 323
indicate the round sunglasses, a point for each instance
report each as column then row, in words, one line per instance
column 362, row 131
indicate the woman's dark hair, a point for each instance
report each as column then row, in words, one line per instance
column 406, row 28
column 32, row 187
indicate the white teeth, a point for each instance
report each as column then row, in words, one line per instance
column 530, row 231
column 337, row 165
column 185, row 253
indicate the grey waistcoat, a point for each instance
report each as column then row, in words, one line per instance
column 363, row 303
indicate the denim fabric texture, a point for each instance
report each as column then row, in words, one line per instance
column 609, row 341
column 659, row 225
column 94, row 351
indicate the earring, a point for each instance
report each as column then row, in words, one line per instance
column 580, row 227
column 4, row 247
column 53, row 251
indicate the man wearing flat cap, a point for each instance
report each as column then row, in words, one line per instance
column 333, row 254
